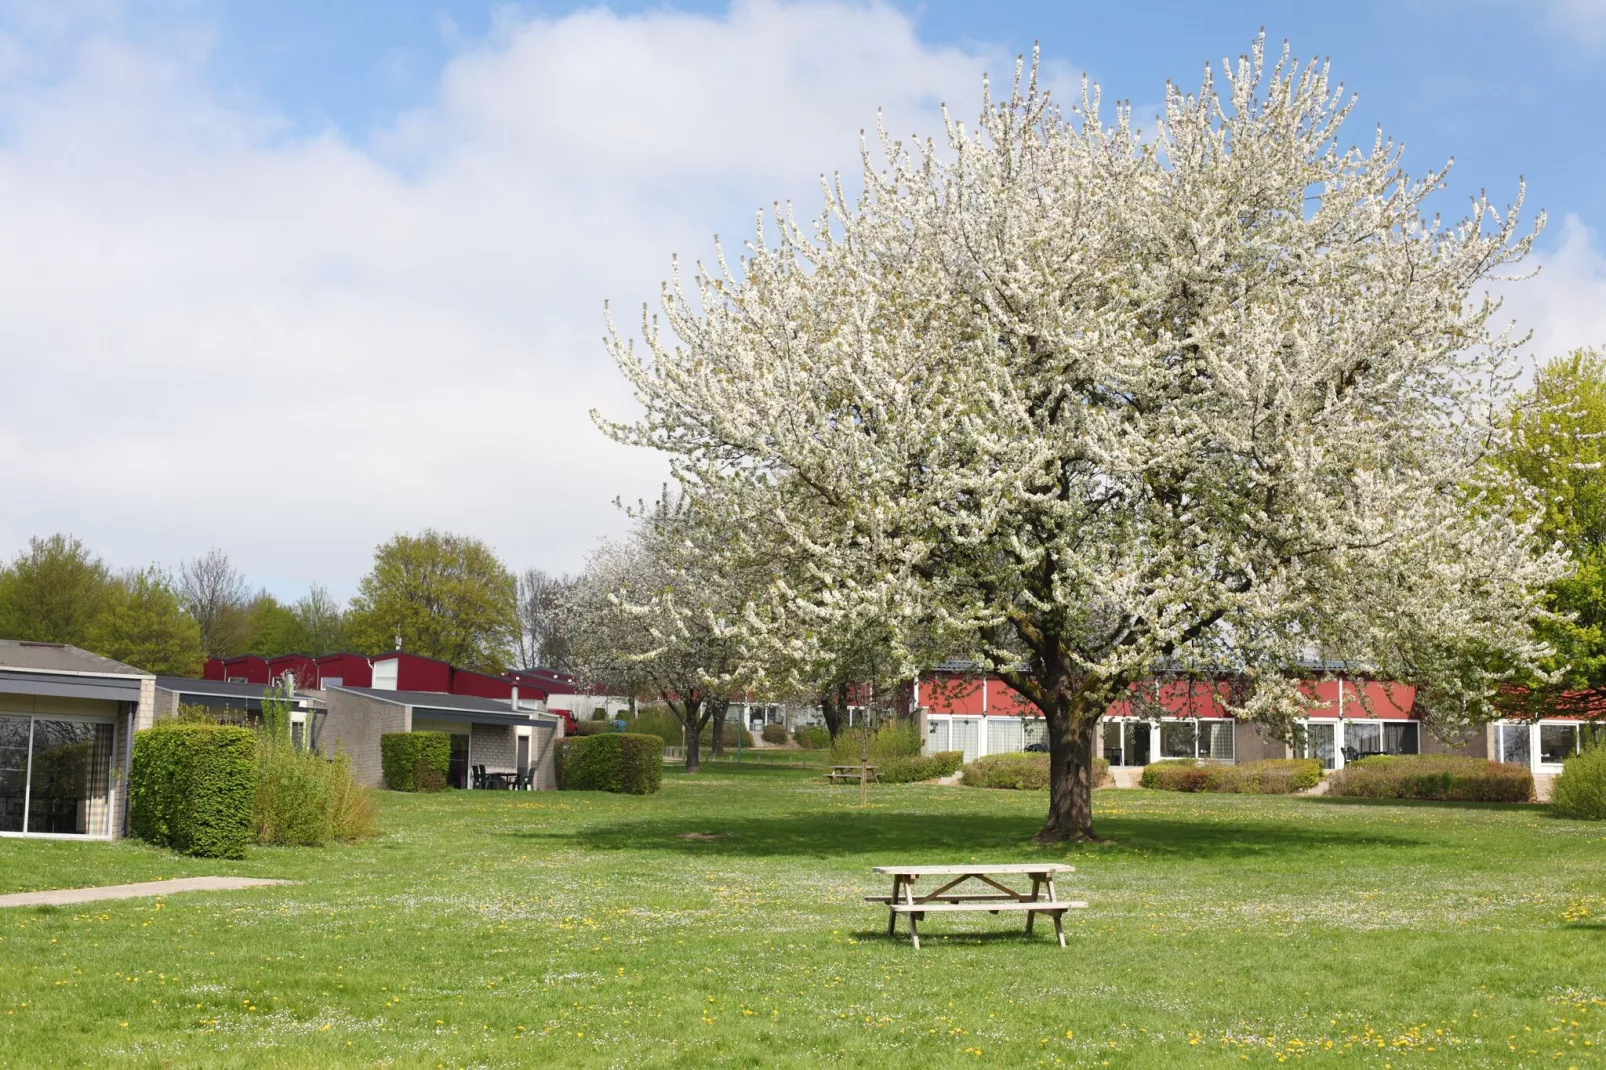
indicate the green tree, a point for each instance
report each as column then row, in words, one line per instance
column 52, row 592
column 445, row 596
column 1560, row 449
column 323, row 625
column 273, row 628
column 143, row 623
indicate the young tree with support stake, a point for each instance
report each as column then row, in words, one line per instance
column 1085, row 404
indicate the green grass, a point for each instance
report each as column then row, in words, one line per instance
column 507, row 929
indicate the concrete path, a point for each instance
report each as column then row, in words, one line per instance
column 65, row 896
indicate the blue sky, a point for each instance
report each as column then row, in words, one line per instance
column 309, row 274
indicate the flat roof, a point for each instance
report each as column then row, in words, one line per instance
column 60, row 657
column 458, row 706
column 185, row 685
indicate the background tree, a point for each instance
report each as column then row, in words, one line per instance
column 1559, row 447
column 214, row 593
column 272, row 628
column 143, row 623
column 321, row 622
column 1085, row 404
column 446, row 596
column 542, row 642
column 53, row 591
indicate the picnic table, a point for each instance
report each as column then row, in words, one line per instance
column 1000, row 897
column 851, row 772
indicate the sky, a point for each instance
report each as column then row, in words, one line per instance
column 288, row 277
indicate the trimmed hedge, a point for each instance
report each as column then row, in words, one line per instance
column 193, row 787
column 892, row 739
column 1580, row 791
column 1021, row 772
column 773, row 733
column 812, row 736
column 1272, row 776
column 731, row 733
column 920, row 767
column 401, row 753
column 626, row 763
column 661, row 723
column 1443, row 777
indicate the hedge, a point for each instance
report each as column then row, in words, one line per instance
column 732, row 732
column 892, row 739
column 626, row 763
column 920, row 767
column 401, row 753
column 1020, row 771
column 773, row 733
column 1580, row 791
column 1273, row 776
column 812, row 736
column 1443, row 777
column 192, row 788
column 661, row 723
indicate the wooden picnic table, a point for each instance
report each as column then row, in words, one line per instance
column 851, row 772
column 944, row 899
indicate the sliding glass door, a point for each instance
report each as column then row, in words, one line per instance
column 55, row 776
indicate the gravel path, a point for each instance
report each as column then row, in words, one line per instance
column 64, row 896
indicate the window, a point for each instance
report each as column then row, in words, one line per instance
column 937, row 732
column 1316, row 741
column 1035, row 730
column 55, row 776
column 1363, row 737
column 1557, row 743
column 965, row 737
column 1005, row 735
column 1135, row 738
column 1400, row 737
column 1511, row 743
column 1216, row 740
column 1179, row 739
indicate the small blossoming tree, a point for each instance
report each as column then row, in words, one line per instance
column 1085, row 405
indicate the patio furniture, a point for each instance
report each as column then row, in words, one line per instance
column 525, row 780
column 497, row 781
column 478, row 781
column 850, row 773
column 1001, row 898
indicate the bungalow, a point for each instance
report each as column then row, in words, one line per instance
column 67, row 723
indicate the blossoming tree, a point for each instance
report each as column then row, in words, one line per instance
column 1085, row 404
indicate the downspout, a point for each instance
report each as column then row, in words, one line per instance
column 128, row 763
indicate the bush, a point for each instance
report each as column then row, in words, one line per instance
column 1580, row 791
column 661, row 723
column 305, row 800
column 774, row 733
column 1433, row 776
column 427, row 778
column 920, row 767
column 811, row 736
column 893, row 739
column 594, row 728
column 1273, row 776
column 600, row 713
column 401, row 753
column 1021, row 771
column 732, row 732
column 622, row 762
column 192, row 787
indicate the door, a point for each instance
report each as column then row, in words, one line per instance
column 524, row 754
column 457, row 763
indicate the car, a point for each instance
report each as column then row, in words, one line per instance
column 1037, row 748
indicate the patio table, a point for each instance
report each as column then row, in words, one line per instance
column 1000, row 897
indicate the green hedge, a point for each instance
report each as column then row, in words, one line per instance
column 1433, row 776
column 812, row 736
column 1580, row 791
column 920, row 767
column 893, row 739
column 730, row 735
column 1021, row 771
column 401, row 753
column 626, row 763
column 661, row 723
column 1273, row 776
column 192, row 787
column 774, row 733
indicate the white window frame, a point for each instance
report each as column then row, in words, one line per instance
column 27, row 777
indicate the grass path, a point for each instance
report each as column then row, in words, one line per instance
column 504, row 929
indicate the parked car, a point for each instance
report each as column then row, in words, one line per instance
column 1037, row 748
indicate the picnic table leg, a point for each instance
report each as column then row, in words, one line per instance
column 914, row 929
column 1059, row 926
column 892, row 915
column 1031, row 915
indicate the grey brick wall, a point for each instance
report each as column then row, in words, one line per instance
column 493, row 746
column 353, row 726
column 1475, row 744
column 1250, row 744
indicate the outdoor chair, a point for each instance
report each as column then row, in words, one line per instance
column 525, row 780
column 479, row 777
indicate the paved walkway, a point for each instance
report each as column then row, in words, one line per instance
column 65, row 896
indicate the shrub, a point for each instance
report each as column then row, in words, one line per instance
column 594, row 728
column 774, row 733
column 661, row 723
column 427, row 778
column 599, row 714
column 1580, row 791
column 920, row 767
column 1433, row 776
column 192, row 787
column 1021, row 771
column 811, row 736
column 732, row 732
column 893, row 739
column 401, row 753
column 305, row 800
column 1273, row 776
column 622, row 762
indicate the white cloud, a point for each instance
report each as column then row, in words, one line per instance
column 1564, row 305
column 1584, row 19
column 215, row 331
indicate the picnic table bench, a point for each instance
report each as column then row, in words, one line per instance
column 850, row 772
column 944, row 899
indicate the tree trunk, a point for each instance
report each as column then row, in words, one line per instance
column 717, row 719
column 832, row 710
column 693, row 724
column 1070, row 776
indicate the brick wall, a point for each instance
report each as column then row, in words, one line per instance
column 1250, row 744
column 353, row 726
column 493, row 746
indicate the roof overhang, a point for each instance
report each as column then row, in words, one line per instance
column 71, row 685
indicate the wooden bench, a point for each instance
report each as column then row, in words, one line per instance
column 850, row 773
column 1002, row 898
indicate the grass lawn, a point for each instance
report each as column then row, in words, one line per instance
column 503, row 929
